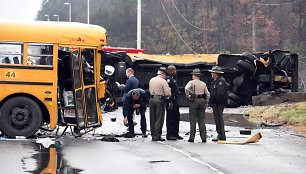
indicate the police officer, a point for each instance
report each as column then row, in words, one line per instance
column 218, row 91
column 136, row 99
column 173, row 113
column 159, row 90
column 198, row 95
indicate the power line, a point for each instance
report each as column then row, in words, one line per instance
column 277, row 4
column 199, row 28
column 175, row 28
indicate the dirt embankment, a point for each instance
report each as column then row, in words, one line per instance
column 280, row 109
column 278, row 97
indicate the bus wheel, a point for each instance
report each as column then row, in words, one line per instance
column 20, row 116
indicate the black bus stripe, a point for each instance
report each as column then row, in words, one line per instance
column 26, row 83
column 26, row 67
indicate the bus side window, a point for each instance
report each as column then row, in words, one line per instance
column 40, row 54
column 11, row 53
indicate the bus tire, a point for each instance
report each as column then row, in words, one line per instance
column 246, row 65
column 249, row 56
column 234, row 97
column 232, row 104
column 284, row 62
column 238, row 80
column 20, row 116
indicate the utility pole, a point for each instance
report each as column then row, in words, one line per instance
column 138, row 24
column 253, row 28
column 87, row 11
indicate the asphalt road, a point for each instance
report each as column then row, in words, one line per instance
column 279, row 151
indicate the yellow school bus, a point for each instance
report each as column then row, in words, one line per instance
column 49, row 73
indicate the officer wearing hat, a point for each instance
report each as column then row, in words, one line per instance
column 160, row 91
column 198, row 95
column 218, row 98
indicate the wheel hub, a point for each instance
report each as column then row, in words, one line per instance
column 20, row 117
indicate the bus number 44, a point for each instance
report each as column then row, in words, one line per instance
column 10, row 74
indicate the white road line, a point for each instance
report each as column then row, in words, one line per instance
column 192, row 158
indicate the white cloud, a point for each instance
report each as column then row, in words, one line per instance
column 19, row 9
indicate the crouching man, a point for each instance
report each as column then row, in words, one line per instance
column 136, row 99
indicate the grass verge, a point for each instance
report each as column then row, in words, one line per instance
column 294, row 114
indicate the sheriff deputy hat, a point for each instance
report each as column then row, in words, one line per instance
column 216, row 69
column 196, row 71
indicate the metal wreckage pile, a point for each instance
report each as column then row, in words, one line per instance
column 247, row 74
column 253, row 74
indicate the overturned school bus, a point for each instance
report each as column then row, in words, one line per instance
column 247, row 74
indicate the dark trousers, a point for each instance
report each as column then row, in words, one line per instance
column 157, row 116
column 173, row 120
column 197, row 115
column 218, row 115
column 143, row 122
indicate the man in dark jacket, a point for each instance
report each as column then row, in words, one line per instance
column 218, row 98
column 131, row 83
column 136, row 99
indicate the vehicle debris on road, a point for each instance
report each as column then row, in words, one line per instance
column 254, row 139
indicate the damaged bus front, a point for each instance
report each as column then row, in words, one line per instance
column 50, row 75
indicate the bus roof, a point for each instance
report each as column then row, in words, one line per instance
column 183, row 59
column 65, row 33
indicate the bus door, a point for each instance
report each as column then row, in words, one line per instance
column 84, row 88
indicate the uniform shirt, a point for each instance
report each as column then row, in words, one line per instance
column 159, row 86
column 218, row 91
column 129, row 102
column 197, row 87
column 172, row 84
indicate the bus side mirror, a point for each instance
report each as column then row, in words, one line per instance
column 109, row 70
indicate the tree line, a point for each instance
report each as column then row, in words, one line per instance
column 194, row 26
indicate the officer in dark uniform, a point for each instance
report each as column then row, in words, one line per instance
column 173, row 113
column 136, row 99
column 218, row 98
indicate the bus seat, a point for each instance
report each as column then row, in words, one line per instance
column 16, row 60
column 49, row 60
column 42, row 61
column 6, row 60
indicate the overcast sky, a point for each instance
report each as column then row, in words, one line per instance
column 19, row 9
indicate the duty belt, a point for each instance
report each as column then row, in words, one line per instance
column 200, row 96
column 157, row 96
